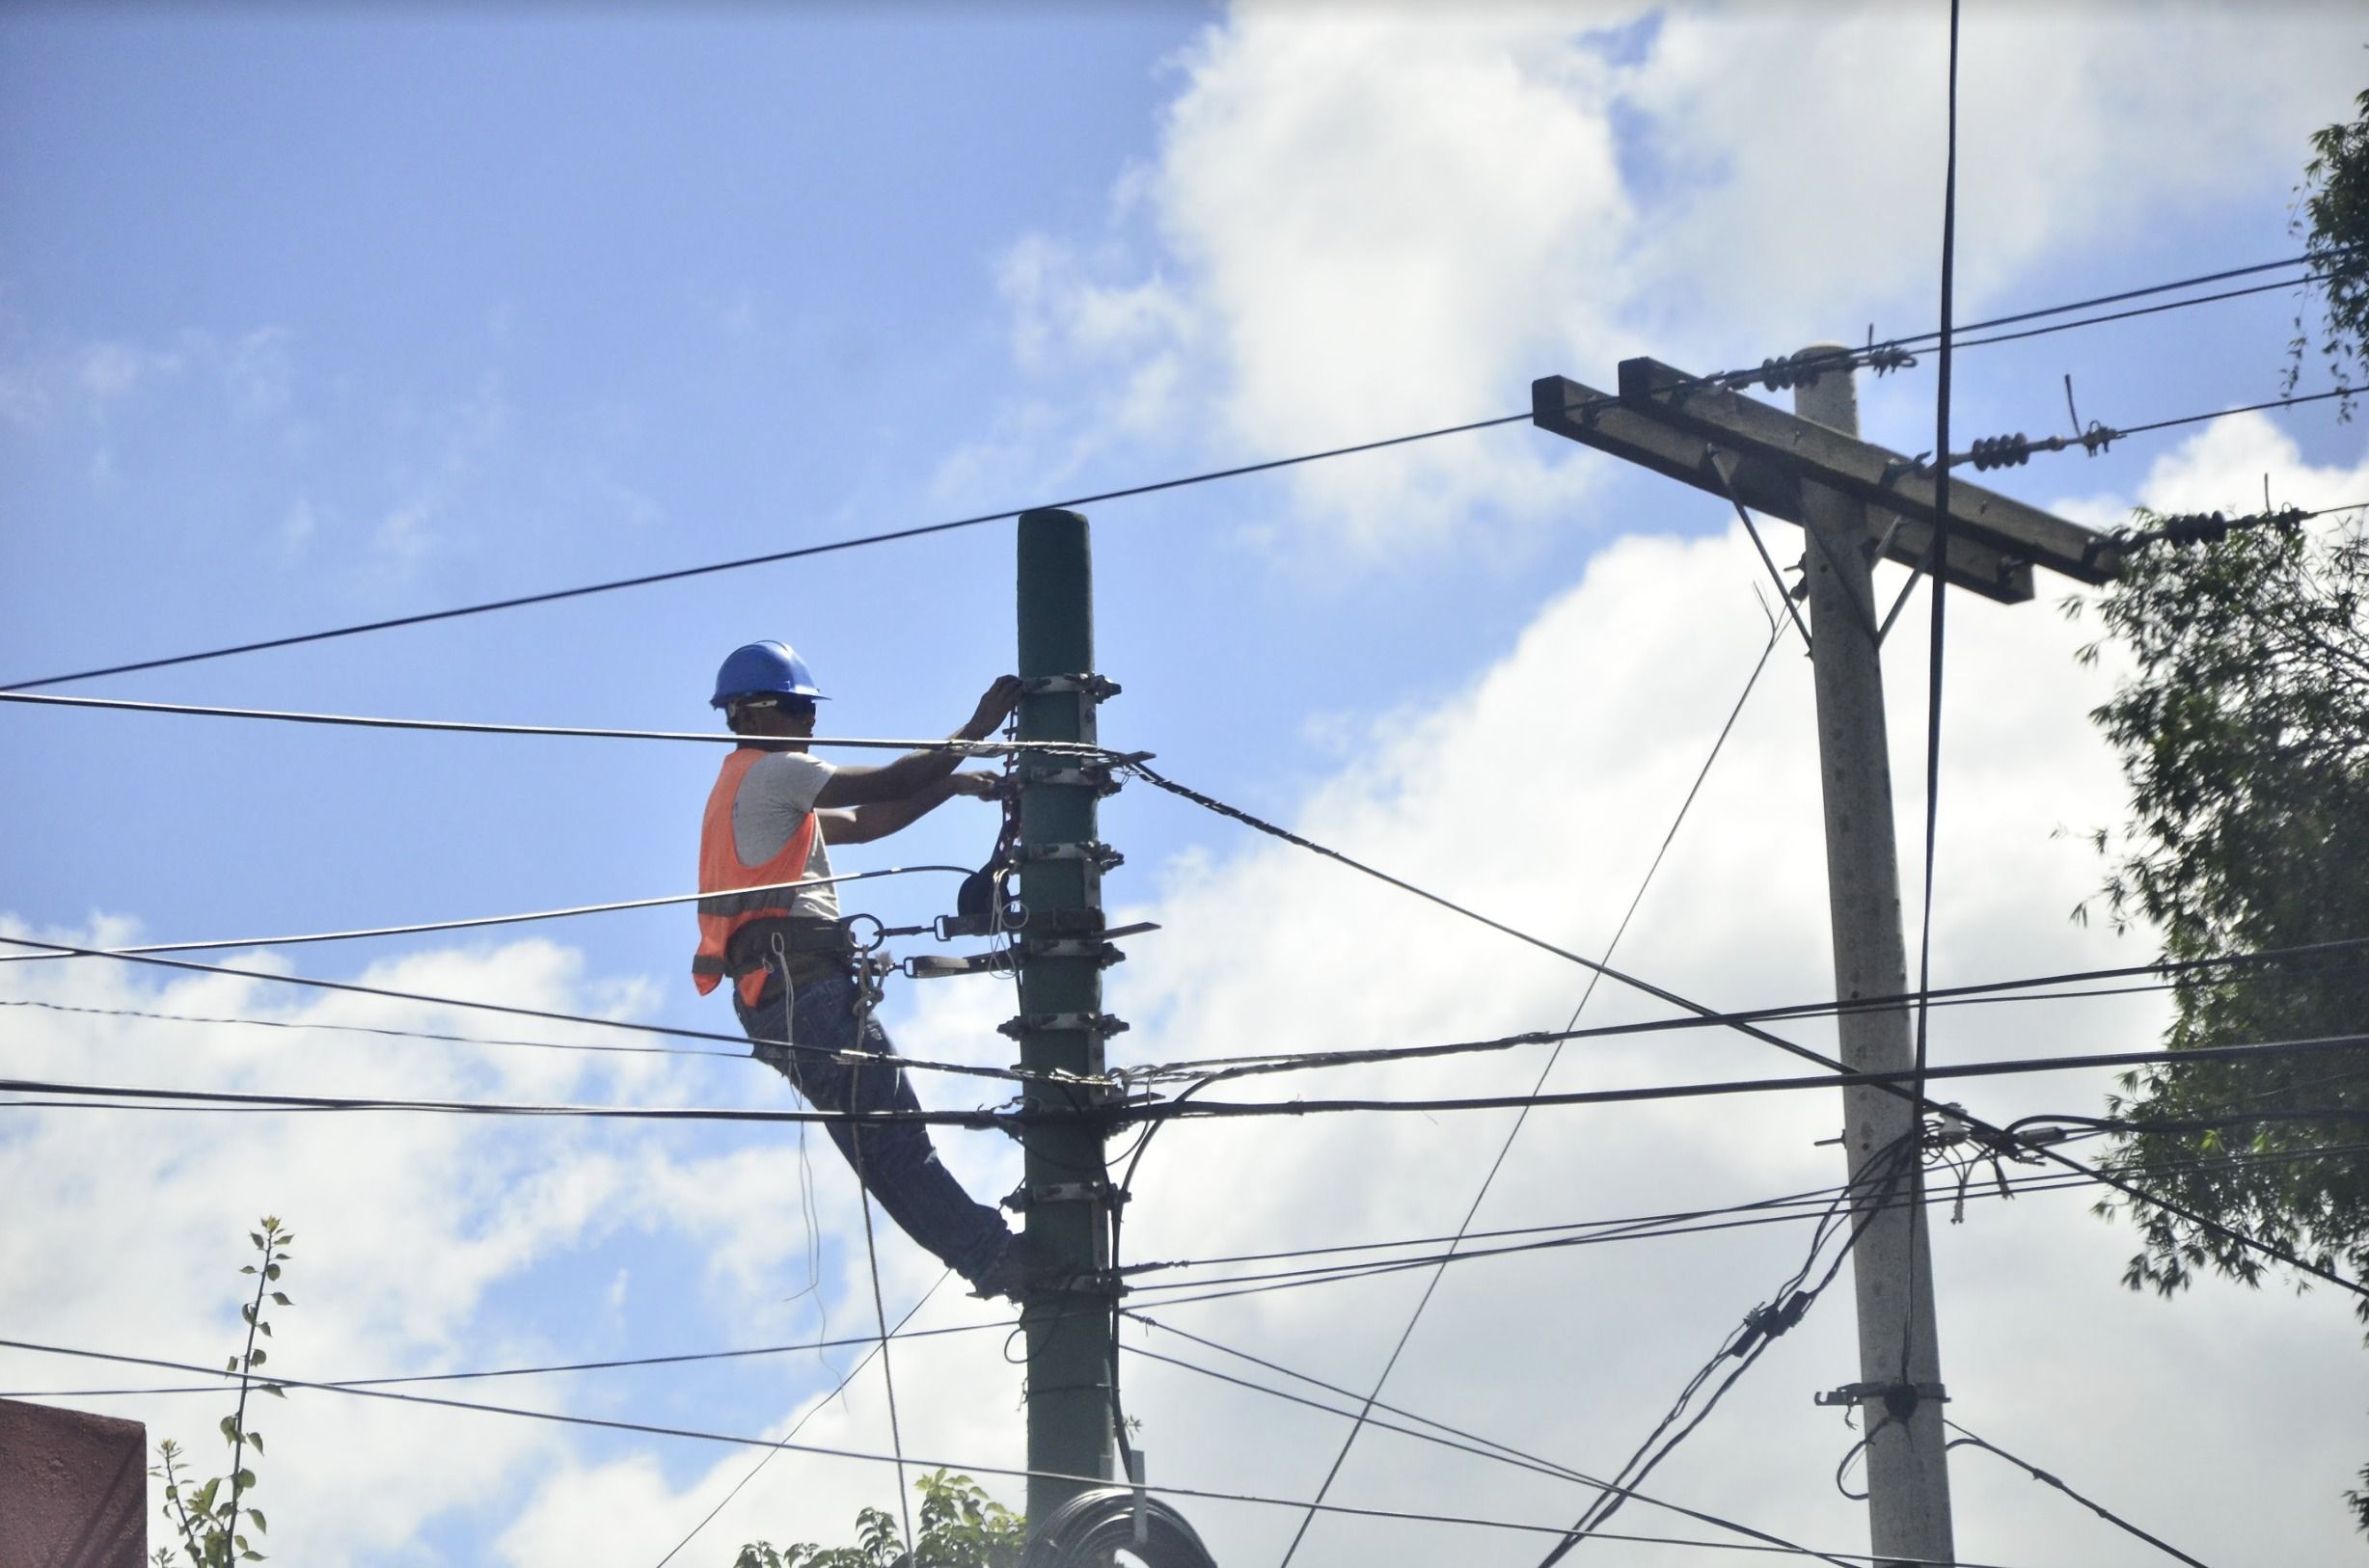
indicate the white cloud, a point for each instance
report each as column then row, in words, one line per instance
column 1361, row 221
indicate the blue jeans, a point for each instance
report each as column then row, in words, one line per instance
column 896, row 1161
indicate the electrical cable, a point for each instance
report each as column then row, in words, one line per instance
column 1179, row 1109
column 1967, row 1440
column 1918, row 1241
column 769, row 559
column 2142, row 310
column 463, row 726
column 877, row 1346
column 696, row 1434
column 880, row 1310
column 242, row 1023
column 474, row 922
column 1205, row 1066
column 1351, row 1274
column 2037, row 1184
column 352, row 987
column 1746, row 1345
column 550, row 596
column 1979, row 995
column 2205, row 1222
column 1554, row 1055
column 1495, row 1452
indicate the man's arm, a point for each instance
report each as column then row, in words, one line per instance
column 861, row 824
column 917, row 772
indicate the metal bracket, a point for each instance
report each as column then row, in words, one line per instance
column 1025, row 1198
column 1095, row 687
column 1102, row 954
column 926, row 967
column 1101, row 1025
column 1102, row 857
column 1087, row 922
column 1898, row 1399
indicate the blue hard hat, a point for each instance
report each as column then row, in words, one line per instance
column 763, row 669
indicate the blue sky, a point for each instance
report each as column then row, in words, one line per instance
column 311, row 320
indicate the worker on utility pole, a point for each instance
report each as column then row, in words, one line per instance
column 795, row 968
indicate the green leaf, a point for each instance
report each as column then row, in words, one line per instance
column 255, row 1359
column 275, row 1390
column 230, row 1429
column 281, row 1297
column 255, row 1441
column 255, row 1236
column 204, row 1502
column 271, row 1271
column 257, row 1514
column 246, row 1478
column 263, row 1328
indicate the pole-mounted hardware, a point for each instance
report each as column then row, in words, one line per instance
column 1898, row 1399
column 1062, row 1026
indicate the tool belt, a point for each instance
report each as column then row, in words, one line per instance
column 815, row 948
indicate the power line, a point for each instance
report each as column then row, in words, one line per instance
column 644, row 579
column 1809, row 1201
column 1887, row 354
column 460, row 726
column 771, row 557
column 1498, row 1453
column 1215, row 1068
column 2013, row 450
column 1967, row 1440
column 373, row 1029
column 547, row 1369
column 1746, row 1345
column 183, row 1099
column 1521, row 1119
column 695, row 1434
column 474, row 922
column 353, row 988
column 1748, row 1216
column 880, row 1346
column 2205, row 1222
column 2142, row 311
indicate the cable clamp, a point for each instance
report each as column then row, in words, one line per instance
column 1102, row 954
column 926, row 967
column 1094, row 688
column 1771, row 1321
column 1101, row 1025
column 1093, row 776
column 1102, row 857
column 1023, row 1197
column 1898, row 1399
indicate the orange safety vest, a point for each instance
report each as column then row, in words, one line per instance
column 721, row 870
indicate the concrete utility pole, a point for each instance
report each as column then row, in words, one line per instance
column 1892, row 1262
column 1857, row 504
column 1066, row 1191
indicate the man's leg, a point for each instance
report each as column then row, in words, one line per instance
column 899, row 1166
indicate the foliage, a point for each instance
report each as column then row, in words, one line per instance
column 2243, row 734
column 207, row 1521
column 2333, row 214
column 961, row 1526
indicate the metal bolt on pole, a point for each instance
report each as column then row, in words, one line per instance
column 1067, row 1186
column 1892, row 1264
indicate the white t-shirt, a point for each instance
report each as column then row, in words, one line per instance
column 775, row 795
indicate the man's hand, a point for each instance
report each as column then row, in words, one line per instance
column 994, row 707
column 977, row 786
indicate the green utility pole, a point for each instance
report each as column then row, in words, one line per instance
column 1065, row 1192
